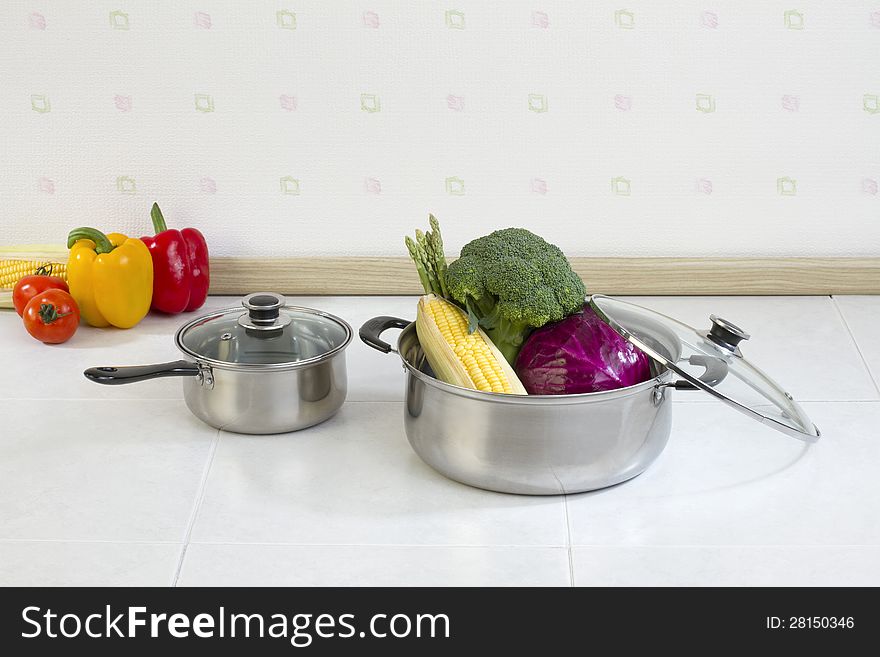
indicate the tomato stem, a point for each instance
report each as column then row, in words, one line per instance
column 49, row 313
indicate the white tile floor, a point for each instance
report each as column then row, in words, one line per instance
column 122, row 486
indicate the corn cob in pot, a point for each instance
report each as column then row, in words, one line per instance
column 469, row 360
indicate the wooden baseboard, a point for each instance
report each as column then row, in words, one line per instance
column 649, row 276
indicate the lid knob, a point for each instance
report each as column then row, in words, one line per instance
column 726, row 334
column 264, row 318
column 263, row 307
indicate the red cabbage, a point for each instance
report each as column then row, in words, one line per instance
column 579, row 354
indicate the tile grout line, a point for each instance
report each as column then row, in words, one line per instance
column 465, row 546
column 855, row 342
column 200, row 495
column 725, row 546
column 87, row 541
column 568, row 541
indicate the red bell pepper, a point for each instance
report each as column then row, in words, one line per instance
column 180, row 266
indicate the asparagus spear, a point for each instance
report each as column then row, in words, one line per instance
column 422, row 243
column 426, row 251
column 424, row 276
column 439, row 257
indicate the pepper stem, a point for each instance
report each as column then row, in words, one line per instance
column 158, row 220
column 102, row 242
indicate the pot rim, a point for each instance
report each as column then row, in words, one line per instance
column 264, row 367
column 539, row 400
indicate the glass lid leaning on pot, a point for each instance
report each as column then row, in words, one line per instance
column 267, row 334
column 710, row 360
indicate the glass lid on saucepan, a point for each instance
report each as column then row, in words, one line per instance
column 267, row 334
column 710, row 360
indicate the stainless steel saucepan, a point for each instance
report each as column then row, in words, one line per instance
column 554, row 444
column 272, row 369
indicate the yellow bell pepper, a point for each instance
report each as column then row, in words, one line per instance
column 110, row 277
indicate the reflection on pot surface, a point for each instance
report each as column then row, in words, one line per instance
column 269, row 401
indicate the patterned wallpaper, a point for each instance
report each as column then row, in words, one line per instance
column 630, row 127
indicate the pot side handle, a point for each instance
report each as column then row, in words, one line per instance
column 132, row 374
column 372, row 329
column 716, row 372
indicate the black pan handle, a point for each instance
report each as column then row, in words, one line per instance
column 113, row 376
column 373, row 328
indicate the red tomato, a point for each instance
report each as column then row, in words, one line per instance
column 51, row 316
column 30, row 286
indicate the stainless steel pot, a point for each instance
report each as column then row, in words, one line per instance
column 555, row 444
column 272, row 369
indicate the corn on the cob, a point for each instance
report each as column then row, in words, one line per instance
column 464, row 359
column 22, row 260
column 16, row 262
column 12, row 271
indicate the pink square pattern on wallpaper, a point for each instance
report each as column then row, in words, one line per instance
column 371, row 20
column 455, row 103
column 709, row 20
column 202, row 20
column 207, row 186
column 791, row 103
column 37, row 21
column 623, row 103
column 287, row 102
column 540, row 19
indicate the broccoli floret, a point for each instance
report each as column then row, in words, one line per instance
column 512, row 281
